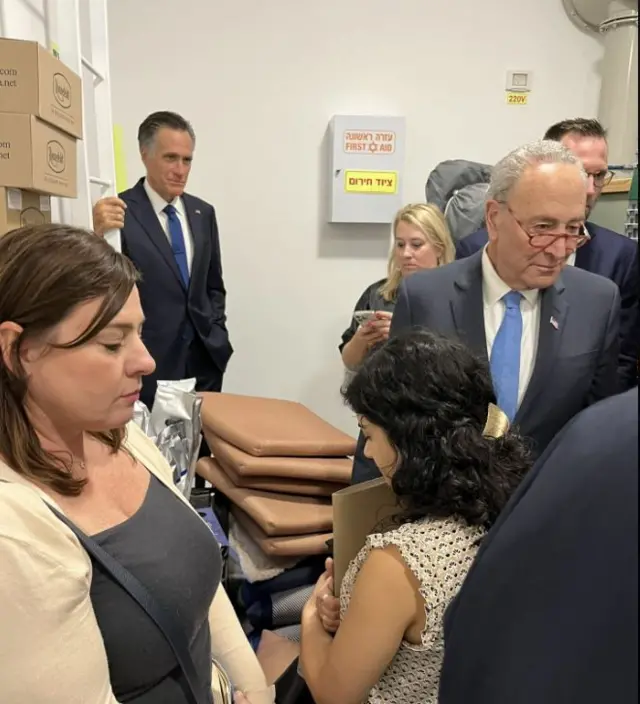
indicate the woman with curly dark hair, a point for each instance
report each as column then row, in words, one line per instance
column 426, row 407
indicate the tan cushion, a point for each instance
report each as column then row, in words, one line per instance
column 310, row 469
column 282, row 546
column 276, row 514
column 280, row 485
column 271, row 427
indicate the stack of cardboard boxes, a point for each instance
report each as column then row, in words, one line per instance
column 40, row 123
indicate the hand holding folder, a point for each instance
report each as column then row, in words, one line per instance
column 358, row 511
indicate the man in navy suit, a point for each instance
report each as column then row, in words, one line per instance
column 606, row 252
column 549, row 332
column 549, row 610
column 172, row 238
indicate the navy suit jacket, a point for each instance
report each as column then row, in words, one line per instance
column 616, row 258
column 575, row 364
column 549, row 610
column 175, row 314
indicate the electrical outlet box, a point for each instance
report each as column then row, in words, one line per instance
column 519, row 81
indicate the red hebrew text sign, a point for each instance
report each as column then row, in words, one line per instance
column 369, row 142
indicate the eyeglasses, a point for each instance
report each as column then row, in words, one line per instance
column 544, row 235
column 602, row 179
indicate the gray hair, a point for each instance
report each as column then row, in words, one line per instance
column 148, row 129
column 508, row 171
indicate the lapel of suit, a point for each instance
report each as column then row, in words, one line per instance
column 144, row 213
column 583, row 257
column 194, row 216
column 467, row 304
column 586, row 256
column 553, row 313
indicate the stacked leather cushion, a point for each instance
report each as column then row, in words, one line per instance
column 278, row 463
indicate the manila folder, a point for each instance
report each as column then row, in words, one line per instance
column 358, row 511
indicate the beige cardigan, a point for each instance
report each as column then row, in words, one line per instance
column 51, row 649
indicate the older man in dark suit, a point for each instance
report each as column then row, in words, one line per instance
column 549, row 610
column 172, row 238
column 550, row 333
column 606, row 252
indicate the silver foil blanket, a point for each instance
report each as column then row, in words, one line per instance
column 175, row 427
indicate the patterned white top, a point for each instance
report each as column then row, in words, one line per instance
column 439, row 552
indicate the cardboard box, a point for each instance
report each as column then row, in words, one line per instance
column 20, row 208
column 37, row 157
column 358, row 511
column 34, row 82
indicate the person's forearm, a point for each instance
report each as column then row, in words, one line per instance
column 354, row 352
column 231, row 648
column 315, row 644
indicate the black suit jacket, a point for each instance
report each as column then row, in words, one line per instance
column 549, row 610
column 175, row 315
column 616, row 258
column 575, row 364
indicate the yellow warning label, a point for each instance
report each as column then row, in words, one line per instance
column 378, row 182
column 517, row 98
column 119, row 158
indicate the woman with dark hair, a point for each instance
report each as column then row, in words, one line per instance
column 76, row 477
column 426, row 408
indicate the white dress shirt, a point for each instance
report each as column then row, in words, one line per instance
column 158, row 203
column 493, row 289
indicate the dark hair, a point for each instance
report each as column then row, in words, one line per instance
column 148, row 129
column 583, row 126
column 431, row 395
column 45, row 272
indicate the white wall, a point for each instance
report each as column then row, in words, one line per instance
column 65, row 25
column 260, row 81
column 26, row 19
column 23, row 19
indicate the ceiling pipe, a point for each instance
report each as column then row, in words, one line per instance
column 617, row 24
column 618, row 110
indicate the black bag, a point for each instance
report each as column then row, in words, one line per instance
column 291, row 688
column 458, row 187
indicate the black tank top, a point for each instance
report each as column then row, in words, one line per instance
column 175, row 555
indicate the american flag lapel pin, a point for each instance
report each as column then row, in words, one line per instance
column 553, row 322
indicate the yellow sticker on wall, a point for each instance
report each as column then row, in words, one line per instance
column 517, row 98
column 120, row 161
column 377, row 182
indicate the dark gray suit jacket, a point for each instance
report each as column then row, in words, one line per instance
column 575, row 366
column 615, row 257
column 549, row 610
column 176, row 314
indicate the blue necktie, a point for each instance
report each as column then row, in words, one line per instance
column 177, row 242
column 505, row 355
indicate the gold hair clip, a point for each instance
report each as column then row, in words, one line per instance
column 497, row 422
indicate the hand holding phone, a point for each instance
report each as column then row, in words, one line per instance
column 363, row 316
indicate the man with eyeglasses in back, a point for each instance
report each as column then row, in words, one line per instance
column 605, row 252
column 549, row 331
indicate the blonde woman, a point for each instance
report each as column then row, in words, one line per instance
column 421, row 240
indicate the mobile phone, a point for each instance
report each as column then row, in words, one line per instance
column 363, row 316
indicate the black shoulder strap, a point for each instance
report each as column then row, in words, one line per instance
column 161, row 617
